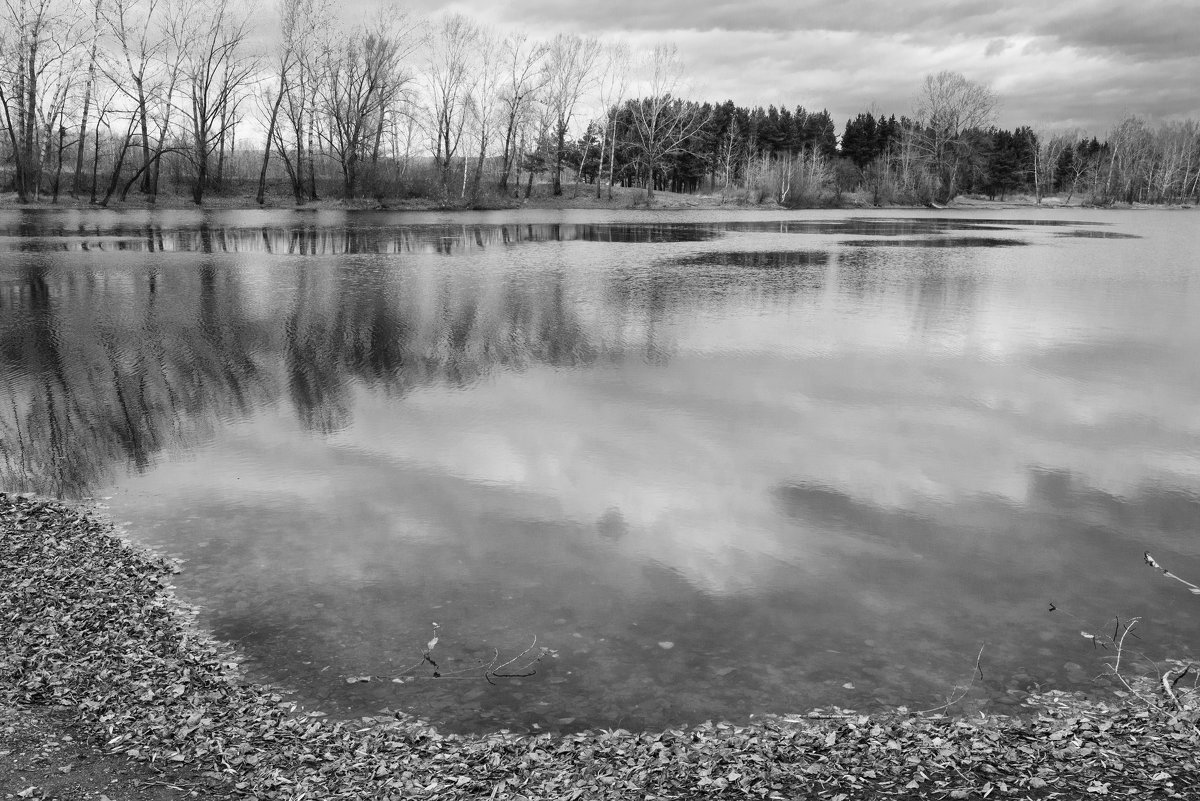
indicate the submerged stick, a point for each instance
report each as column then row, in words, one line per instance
column 1192, row 588
column 951, row 701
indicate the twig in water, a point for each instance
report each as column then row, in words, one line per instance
column 952, row 700
column 489, row 670
column 1122, row 630
column 496, row 671
column 1117, row 641
column 1192, row 588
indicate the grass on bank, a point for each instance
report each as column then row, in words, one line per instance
column 88, row 627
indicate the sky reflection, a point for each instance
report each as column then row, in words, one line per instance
column 802, row 461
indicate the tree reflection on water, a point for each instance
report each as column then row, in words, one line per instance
column 109, row 362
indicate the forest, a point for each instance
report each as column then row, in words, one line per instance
column 111, row 101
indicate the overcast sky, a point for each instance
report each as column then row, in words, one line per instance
column 1054, row 63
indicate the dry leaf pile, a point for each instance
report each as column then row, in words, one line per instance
column 87, row 622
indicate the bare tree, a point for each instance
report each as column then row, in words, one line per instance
column 949, row 107
column 570, row 68
column 105, row 95
column 448, row 72
column 36, row 74
column 536, row 129
column 1178, row 157
column 523, row 79
column 728, row 154
column 1082, row 171
column 131, row 23
column 1045, row 148
column 174, row 26
column 361, row 79
column 52, row 115
column 289, row 20
column 216, row 70
column 404, row 136
column 298, row 21
column 87, row 96
column 614, row 82
column 662, row 123
column 485, row 98
column 302, row 22
column 1129, row 154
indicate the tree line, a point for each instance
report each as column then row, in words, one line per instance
column 104, row 99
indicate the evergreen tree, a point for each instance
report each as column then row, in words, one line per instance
column 860, row 142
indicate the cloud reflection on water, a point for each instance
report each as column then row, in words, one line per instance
column 765, row 447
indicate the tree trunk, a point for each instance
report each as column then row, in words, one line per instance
column 508, row 159
column 32, row 171
column 378, row 141
column 144, row 119
column 18, row 167
column 298, row 173
column 156, row 163
column 350, row 173
column 579, row 173
column 153, row 165
column 96, row 159
column 219, row 181
column 600, row 169
column 87, row 101
column 62, row 137
column 612, row 160
column 262, row 173
column 293, row 176
column 201, row 170
column 517, row 168
column 479, row 166
column 118, row 163
column 312, row 170
column 558, row 158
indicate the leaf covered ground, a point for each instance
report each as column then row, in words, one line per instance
column 89, row 628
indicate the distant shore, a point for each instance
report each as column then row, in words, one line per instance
column 572, row 198
column 107, row 686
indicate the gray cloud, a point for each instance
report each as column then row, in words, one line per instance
column 996, row 47
column 1071, row 63
column 1145, row 31
column 915, row 16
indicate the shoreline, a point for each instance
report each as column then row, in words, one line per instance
column 624, row 199
column 95, row 645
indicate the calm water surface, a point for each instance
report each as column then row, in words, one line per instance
column 721, row 463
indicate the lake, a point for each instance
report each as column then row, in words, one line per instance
column 717, row 463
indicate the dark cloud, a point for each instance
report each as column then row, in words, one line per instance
column 1096, row 102
column 1145, row 31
